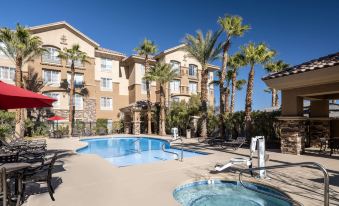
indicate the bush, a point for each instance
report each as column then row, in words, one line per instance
column 101, row 126
column 7, row 124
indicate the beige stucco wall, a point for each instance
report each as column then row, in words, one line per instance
column 53, row 37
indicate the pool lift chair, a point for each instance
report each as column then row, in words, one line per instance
column 255, row 141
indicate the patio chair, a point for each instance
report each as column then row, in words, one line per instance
column 3, row 186
column 9, row 157
column 234, row 144
column 40, row 173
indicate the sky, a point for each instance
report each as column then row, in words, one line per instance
column 299, row 30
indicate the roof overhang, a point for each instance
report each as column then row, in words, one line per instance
column 62, row 24
column 310, row 78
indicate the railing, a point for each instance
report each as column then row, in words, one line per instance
column 137, row 140
column 319, row 166
column 182, row 149
column 49, row 59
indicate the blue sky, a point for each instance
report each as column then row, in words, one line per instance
column 297, row 30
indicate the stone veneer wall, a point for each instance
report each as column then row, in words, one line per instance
column 89, row 110
column 292, row 136
column 88, row 114
column 319, row 129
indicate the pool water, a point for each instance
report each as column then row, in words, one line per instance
column 130, row 151
column 226, row 193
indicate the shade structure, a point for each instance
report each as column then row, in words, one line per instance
column 13, row 97
column 55, row 118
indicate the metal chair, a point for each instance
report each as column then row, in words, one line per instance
column 41, row 173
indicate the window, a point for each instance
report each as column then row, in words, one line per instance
column 175, row 86
column 51, row 55
column 192, row 70
column 106, row 103
column 56, row 96
column 78, row 79
column 106, row 65
column 77, row 63
column 193, row 87
column 175, row 99
column 143, row 86
column 7, row 73
column 106, row 84
column 78, row 102
column 175, row 66
column 51, row 77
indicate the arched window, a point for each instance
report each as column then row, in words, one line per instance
column 51, row 55
column 175, row 66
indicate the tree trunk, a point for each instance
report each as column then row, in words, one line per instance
column 234, row 81
column 19, row 113
column 222, row 90
column 162, row 128
column 276, row 103
column 71, row 101
column 274, row 95
column 227, row 100
column 149, row 106
column 249, row 97
column 204, row 99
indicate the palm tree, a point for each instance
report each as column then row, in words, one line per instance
column 232, row 26
column 272, row 67
column 235, row 62
column 204, row 50
column 20, row 46
column 162, row 73
column 74, row 55
column 147, row 48
column 253, row 54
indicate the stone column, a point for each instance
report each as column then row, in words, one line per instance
column 292, row 135
column 136, row 121
column 194, row 130
column 127, row 124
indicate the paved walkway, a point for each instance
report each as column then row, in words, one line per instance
column 88, row 180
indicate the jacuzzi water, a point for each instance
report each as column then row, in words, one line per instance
column 129, row 151
column 226, row 193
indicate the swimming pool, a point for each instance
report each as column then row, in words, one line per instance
column 127, row 151
column 226, row 193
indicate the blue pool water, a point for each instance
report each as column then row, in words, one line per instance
column 130, row 151
column 226, row 193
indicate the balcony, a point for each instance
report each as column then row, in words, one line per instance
column 77, row 64
column 47, row 59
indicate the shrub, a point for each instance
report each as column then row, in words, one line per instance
column 7, row 123
column 101, row 126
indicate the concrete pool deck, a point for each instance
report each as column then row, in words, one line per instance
column 86, row 179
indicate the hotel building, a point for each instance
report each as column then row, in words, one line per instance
column 112, row 79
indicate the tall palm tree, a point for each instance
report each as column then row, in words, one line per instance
column 272, row 67
column 233, row 27
column 74, row 55
column 147, row 48
column 20, row 46
column 162, row 73
column 204, row 50
column 235, row 62
column 253, row 54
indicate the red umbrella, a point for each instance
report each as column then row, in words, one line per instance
column 13, row 97
column 55, row 118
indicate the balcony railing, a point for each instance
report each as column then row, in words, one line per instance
column 50, row 60
column 76, row 64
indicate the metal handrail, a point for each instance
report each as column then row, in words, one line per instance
column 139, row 151
column 182, row 149
column 319, row 166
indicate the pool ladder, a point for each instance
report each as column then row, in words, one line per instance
column 181, row 157
column 319, row 166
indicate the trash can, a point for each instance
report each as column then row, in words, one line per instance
column 188, row 134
